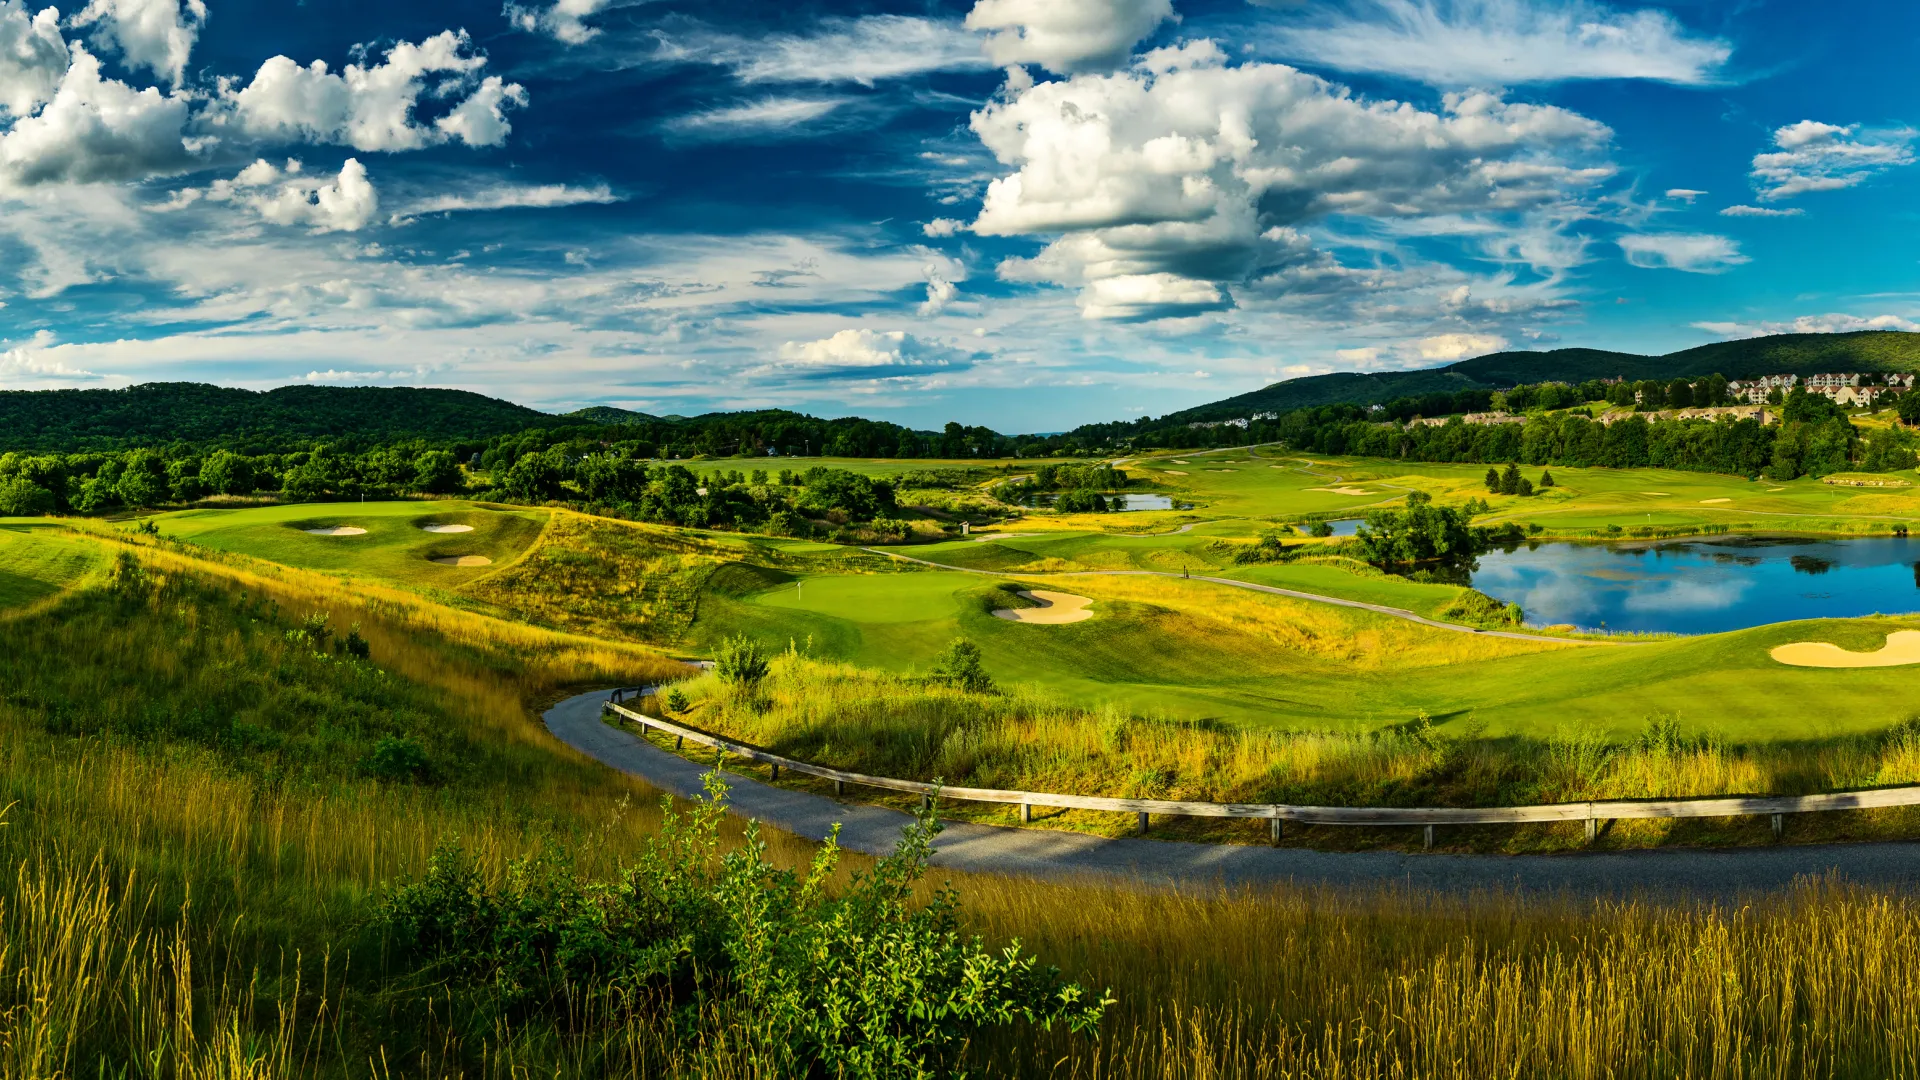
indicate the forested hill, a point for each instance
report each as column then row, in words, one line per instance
column 1783, row 354
column 160, row 414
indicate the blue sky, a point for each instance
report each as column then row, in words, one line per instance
column 1022, row 213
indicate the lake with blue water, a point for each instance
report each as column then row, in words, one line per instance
column 1706, row 585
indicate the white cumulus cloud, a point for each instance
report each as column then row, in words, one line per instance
column 1697, row 253
column 1066, row 36
column 284, row 196
column 96, row 129
column 372, row 107
column 33, row 57
column 940, row 293
column 1465, row 43
column 864, row 352
column 157, row 35
column 1812, row 156
column 1185, row 173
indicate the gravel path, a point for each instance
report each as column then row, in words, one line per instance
column 1160, row 863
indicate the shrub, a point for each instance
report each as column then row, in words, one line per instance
column 397, row 758
column 861, row 983
column 675, row 701
column 959, row 666
column 740, row 661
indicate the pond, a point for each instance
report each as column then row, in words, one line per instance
column 1126, row 502
column 1705, row 586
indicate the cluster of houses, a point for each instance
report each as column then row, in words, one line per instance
column 1238, row 422
column 1842, row 388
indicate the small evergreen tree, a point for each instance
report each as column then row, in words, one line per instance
column 1546, row 478
column 1493, row 480
column 1510, row 480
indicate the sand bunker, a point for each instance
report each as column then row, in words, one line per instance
column 1656, row 493
column 1178, row 461
column 1055, row 608
column 1344, row 490
column 464, row 560
column 446, row 528
column 337, row 530
column 1710, row 502
column 1173, row 472
column 1902, row 647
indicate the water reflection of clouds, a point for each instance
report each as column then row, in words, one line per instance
column 1687, row 593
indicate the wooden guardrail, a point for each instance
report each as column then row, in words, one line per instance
column 1276, row 814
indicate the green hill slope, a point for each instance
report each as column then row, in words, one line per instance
column 155, row 414
column 1797, row 354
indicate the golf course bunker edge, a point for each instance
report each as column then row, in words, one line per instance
column 1055, row 608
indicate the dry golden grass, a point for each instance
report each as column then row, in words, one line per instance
column 1367, row 641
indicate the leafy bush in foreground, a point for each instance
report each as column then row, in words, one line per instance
column 858, row 984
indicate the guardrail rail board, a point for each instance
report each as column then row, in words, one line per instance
column 1773, row 806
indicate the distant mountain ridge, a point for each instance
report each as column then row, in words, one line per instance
column 1781, row 354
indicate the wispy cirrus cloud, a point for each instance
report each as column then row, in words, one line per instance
column 765, row 116
column 1694, row 253
column 1465, row 43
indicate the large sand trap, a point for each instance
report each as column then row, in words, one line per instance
column 337, row 530
column 464, row 560
column 1710, row 502
column 1055, row 608
column 1902, row 647
column 1656, row 493
column 446, row 528
column 1344, row 490
column 1173, row 472
column 1179, row 461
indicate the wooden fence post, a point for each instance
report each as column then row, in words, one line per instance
column 1143, row 823
column 1429, row 837
column 1026, row 813
column 1779, row 824
column 776, row 772
column 1274, row 829
column 1593, row 826
column 839, row 787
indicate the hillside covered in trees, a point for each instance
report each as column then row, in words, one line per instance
column 1781, row 354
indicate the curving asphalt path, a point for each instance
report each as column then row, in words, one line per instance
column 1162, row 863
column 1382, row 609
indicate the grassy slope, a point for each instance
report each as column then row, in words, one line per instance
column 37, row 562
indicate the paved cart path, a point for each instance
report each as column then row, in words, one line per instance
column 1046, row 853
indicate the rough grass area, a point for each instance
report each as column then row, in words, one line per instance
column 903, row 726
column 37, row 563
column 635, row 582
